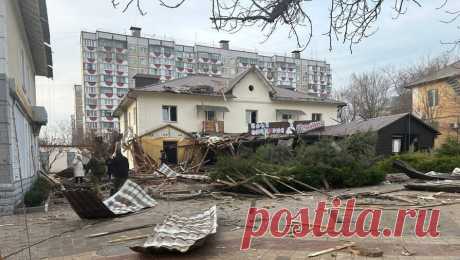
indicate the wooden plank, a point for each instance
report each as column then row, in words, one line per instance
column 330, row 250
column 260, row 187
column 127, row 239
column 325, row 183
column 197, row 169
column 290, row 187
column 119, row 231
column 270, row 185
column 310, row 187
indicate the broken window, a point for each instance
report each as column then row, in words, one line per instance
column 169, row 113
column 251, row 116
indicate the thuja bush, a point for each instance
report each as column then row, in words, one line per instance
column 349, row 162
column 422, row 161
column 450, row 148
column 38, row 193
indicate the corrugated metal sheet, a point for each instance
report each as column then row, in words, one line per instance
column 170, row 173
column 130, row 198
column 180, row 234
column 87, row 205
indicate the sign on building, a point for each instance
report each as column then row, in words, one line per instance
column 284, row 128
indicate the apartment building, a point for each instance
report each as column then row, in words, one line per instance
column 110, row 61
column 24, row 53
column 77, row 117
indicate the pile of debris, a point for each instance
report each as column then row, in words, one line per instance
column 432, row 181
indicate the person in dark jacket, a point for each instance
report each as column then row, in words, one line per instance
column 120, row 171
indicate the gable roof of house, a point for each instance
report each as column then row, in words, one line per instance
column 205, row 85
column 452, row 70
column 233, row 82
column 218, row 86
column 372, row 125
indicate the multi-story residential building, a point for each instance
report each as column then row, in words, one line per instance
column 24, row 54
column 436, row 99
column 77, row 117
column 166, row 113
column 110, row 61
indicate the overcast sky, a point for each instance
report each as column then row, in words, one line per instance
column 397, row 42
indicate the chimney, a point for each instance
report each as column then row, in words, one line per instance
column 224, row 44
column 296, row 54
column 143, row 80
column 135, row 31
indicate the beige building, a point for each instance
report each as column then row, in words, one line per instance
column 436, row 99
column 24, row 54
column 208, row 105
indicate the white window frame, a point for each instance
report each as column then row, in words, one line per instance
column 208, row 117
column 166, row 113
column 249, row 116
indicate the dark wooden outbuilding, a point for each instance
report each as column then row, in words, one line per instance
column 395, row 133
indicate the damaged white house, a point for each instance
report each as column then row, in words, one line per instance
column 167, row 113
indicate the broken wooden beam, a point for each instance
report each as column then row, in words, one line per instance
column 260, row 187
column 127, row 239
column 119, row 231
column 270, row 185
column 330, row 250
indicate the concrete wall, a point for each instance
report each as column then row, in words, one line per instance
column 18, row 156
column 149, row 108
column 20, row 62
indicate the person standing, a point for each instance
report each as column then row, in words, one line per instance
column 120, row 173
column 78, row 171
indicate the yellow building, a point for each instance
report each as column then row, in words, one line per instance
column 436, row 99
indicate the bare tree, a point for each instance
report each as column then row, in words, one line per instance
column 349, row 21
column 53, row 142
column 426, row 105
column 368, row 96
column 400, row 78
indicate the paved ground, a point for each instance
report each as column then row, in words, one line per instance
column 60, row 234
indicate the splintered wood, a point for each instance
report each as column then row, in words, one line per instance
column 143, row 163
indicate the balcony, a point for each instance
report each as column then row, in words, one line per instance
column 213, row 127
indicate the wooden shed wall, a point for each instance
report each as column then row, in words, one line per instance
column 404, row 126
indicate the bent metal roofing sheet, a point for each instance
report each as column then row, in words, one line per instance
column 178, row 233
column 130, row 198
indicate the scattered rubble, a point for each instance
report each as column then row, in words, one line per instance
column 414, row 174
column 367, row 252
column 435, row 186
